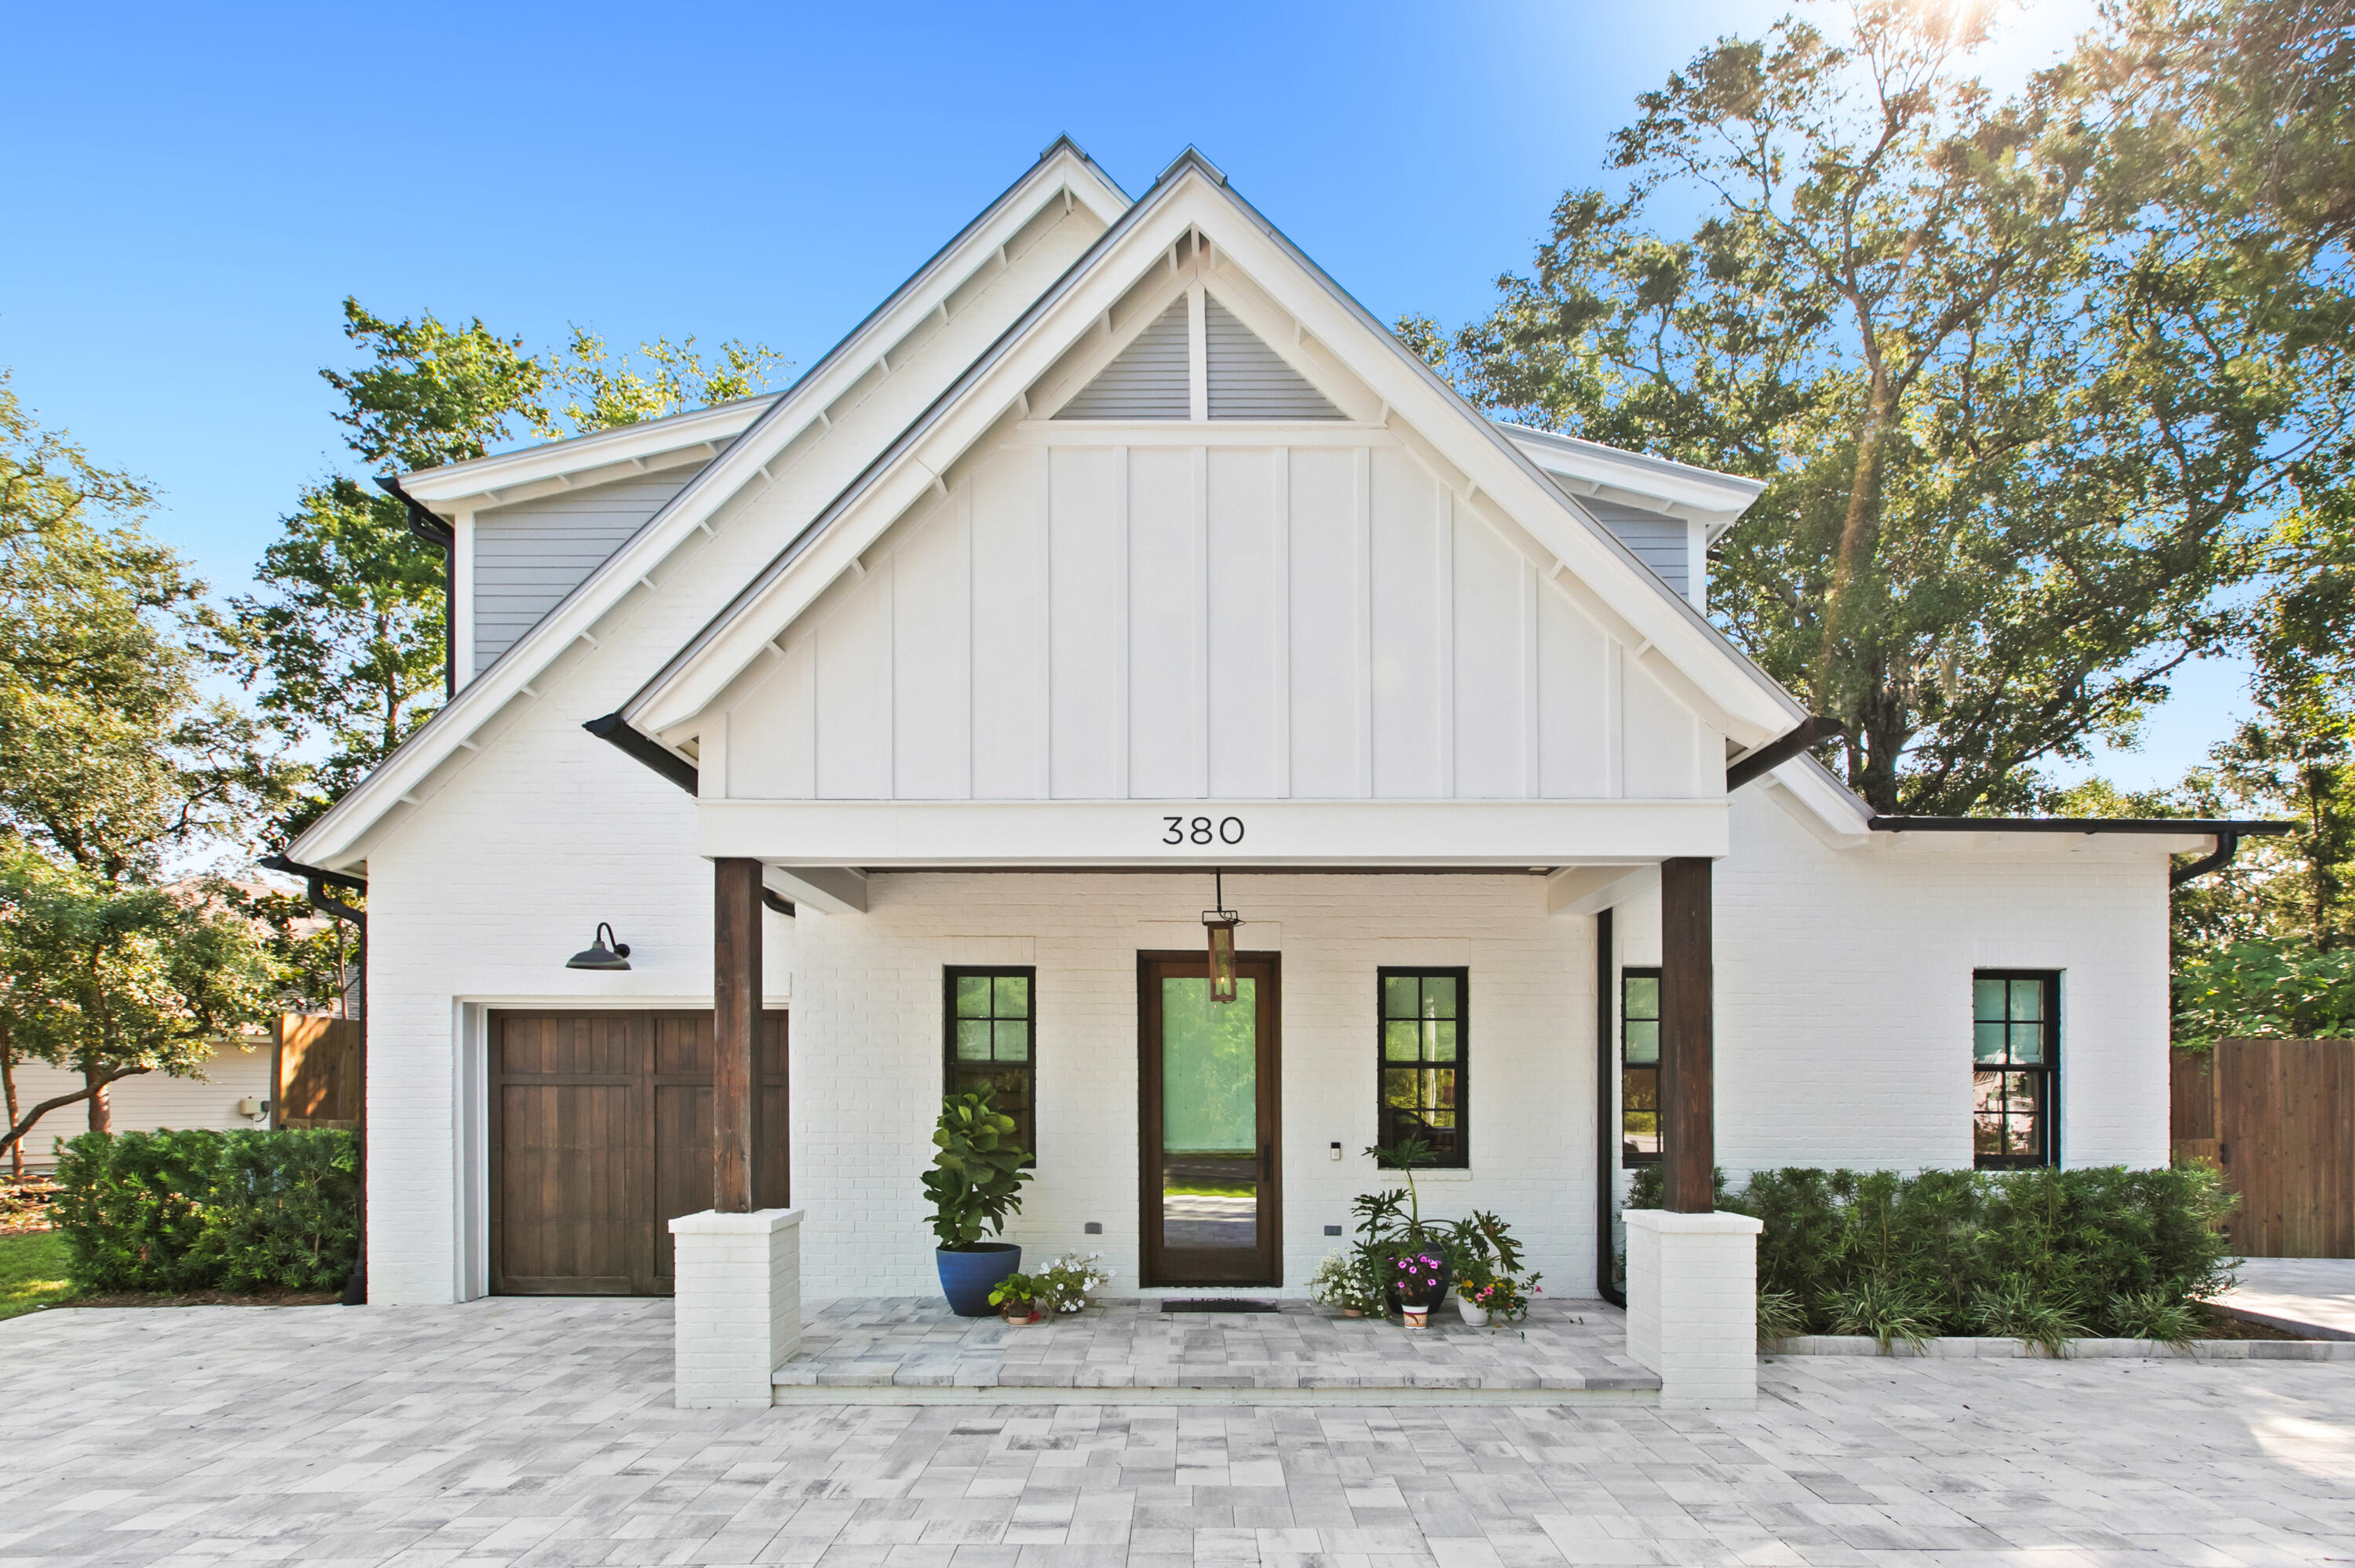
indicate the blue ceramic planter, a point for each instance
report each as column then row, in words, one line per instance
column 967, row 1277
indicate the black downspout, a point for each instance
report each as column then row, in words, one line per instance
column 444, row 539
column 318, row 879
column 1606, row 1142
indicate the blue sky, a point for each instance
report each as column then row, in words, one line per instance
column 196, row 188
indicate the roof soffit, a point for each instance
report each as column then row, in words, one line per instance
column 1472, row 454
column 1063, row 172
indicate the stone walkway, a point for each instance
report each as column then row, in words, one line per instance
column 850, row 1346
column 2310, row 1295
column 521, row 1433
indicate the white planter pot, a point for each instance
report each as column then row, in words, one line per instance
column 1476, row 1316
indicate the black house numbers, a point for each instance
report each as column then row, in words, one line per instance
column 1203, row 831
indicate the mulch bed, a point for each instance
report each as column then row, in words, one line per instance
column 205, row 1298
column 2224, row 1325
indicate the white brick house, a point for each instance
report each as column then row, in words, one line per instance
column 1119, row 547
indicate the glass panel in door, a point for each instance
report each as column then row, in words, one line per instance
column 1209, row 1121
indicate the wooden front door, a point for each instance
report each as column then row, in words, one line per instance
column 1211, row 1146
column 601, row 1135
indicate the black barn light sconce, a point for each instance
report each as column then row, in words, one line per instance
column 602, row 952
column 1220, row 923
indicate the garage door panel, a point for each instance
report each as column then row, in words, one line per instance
column 565, row 1184
column 601, row 1135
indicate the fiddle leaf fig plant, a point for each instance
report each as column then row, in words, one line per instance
column 976, row 1176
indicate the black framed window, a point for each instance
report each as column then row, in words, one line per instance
column 992, row 1040
column 1640, row 1067
column 2014, row 1068
column 1425, row 1037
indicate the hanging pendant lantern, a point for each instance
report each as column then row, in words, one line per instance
column 1220, row 923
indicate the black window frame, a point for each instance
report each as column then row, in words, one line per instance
column 1630, row 1159
column 952, row 1064
column 2047, row 1072
column 1460, row 1158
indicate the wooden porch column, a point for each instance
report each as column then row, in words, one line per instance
column 1687, row 1078
column 736, row 1036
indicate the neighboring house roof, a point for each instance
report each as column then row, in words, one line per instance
column 1525, row 472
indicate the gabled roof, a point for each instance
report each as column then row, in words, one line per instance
column 503, row 478
column 337, row 840
column 1191, row 196
column 1680, row 490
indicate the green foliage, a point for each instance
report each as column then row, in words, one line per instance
column 1022, row 1292
column 2025, row 378
column 113, row 978
column 1066, row 1283
column 209, row 1211
column 2043, row 1255
column 976, row 1177
column 2265, row 988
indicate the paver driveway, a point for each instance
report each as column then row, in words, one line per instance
column 529, row 1432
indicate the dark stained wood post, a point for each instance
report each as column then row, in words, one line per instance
column 1687, row 1025
column 737, row 1143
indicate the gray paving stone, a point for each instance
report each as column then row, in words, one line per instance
column 525, row 1432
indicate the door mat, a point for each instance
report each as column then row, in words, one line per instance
column 1219, row 1304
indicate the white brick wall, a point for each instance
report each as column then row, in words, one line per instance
column 1843, row 1005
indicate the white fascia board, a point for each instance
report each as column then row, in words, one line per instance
column 335, row 839
column 883, row 835
column 1753, row 708
column 1837, row 815
column 828, row 889
column 2121, row 847
column 442, row 489
column 1706, row 493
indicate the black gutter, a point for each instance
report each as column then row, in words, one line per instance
column 616, row 731
column 444, row 539
column 1606, row 1138
column 2208, row 825
column 320, row 879
column 1761, row 759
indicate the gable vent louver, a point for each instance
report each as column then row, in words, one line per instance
column 1147, row 380
column 1248, row 381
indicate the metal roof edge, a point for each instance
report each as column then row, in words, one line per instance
column 2177, row 825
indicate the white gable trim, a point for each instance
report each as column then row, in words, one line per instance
column 505, row 478
column 1654, row 484
column 1471, row 455
column 337, row 839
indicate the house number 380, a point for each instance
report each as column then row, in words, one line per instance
column 1203, row 831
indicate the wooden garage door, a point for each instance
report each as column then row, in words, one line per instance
column 601, row 1135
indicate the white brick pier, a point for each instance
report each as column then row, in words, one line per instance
column 738, row 1304
column 1692, row 1305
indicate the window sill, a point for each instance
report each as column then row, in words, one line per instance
column 1423, row 1174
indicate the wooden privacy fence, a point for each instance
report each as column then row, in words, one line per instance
column 320, row 1073
column 2278, row 1116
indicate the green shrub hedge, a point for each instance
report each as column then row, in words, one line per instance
column 210, row 1211
column 2041, row 1256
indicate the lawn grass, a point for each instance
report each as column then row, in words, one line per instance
column 32, row 1271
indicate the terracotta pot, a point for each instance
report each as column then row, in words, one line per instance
column 1353, row 1312
column 1022, row 1319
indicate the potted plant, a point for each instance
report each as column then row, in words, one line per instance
column 1020, row 1299
column 1344, row 1280
column 1419, row 1281
column 975, row 1183
column 1066, row 1282
column 1501, row 1300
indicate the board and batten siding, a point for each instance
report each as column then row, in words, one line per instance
column 1168, row 621
column 527, row 557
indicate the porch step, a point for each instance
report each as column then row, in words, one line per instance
column 912, row 1351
